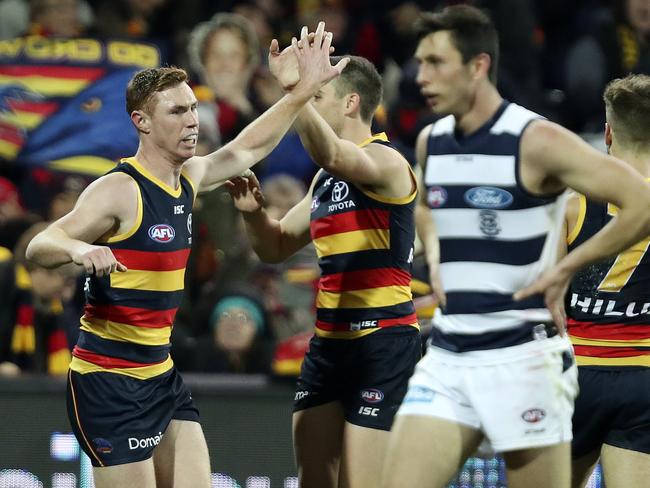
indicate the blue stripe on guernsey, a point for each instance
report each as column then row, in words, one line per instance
column 483, row 303
column 354, row 314
column 495, row 237
column 123, row 350
column 355, row 261
column 513, row 252
column 491, row 340
column 153, row 300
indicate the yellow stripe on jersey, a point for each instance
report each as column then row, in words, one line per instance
column 115, row 331
column 643, row 360
column 141, row 373
column 135, row 279
column 357, row 240
column 136, row 225
column 175, row 192
column 384, row 296
column 583, row 341
column 582, row 211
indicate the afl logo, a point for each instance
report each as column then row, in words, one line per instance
column 315, row 203
column 340, row 191
column 436, row 197
column 372, row 395
column 533, row 415
column 488, row 197
column 162, row 233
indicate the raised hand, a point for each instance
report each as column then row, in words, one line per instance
column 246, row 193
column 283, row 65
column 313, row 60
column 97, row 260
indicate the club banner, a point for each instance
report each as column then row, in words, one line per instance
column 62, row 101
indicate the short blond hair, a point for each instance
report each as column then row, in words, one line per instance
column 627, row 108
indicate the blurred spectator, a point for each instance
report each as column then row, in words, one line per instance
column 59, row 18
column 126, row 18
column 32, row 327
column 239, row 340
column 14, row 219
column 615, row 42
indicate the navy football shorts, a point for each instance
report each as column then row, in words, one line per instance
column 368, row 376
column 118, row 419
column 613, row 408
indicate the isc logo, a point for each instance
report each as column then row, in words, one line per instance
column 162, row 233
column 372, row 412
column 363, row 324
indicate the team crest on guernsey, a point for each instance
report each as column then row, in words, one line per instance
column 162, row 233
column 436, row 197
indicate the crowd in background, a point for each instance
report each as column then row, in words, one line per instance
column 240, row 315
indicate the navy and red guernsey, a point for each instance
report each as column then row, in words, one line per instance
column 608, row 303
column 128, row 318
column 364, row 243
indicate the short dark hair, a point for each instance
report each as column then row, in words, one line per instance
column 627, row 105
column 472, row 32
column 146, row 83
column 360, row 76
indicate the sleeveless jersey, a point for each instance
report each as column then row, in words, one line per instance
column 608, row 303
column 495, row 237
column 128, row 318
column 364, row 243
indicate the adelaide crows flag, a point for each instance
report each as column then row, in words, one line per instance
column 62, row 101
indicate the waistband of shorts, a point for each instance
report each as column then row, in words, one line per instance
column 459, row 343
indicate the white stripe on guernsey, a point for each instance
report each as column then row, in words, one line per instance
column 487, row 277
column 513, row 120
column 488, row 322
column 527, row 223
column 470, row 169
column 443, row 126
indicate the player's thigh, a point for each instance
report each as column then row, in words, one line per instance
column 623, row 468
column 181, row 459
column 540, row 467
column 426, row 451
column 317, row 441
column 140, row 474
column 362, row 457
column 582, row 467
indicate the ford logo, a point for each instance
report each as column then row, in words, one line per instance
column 162, row 233
column 488, row 197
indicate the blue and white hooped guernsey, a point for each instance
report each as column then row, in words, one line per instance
column 495, row 237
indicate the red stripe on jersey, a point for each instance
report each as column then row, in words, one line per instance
column 617, row 332
column 363, row 279
column 609, row 352
column 152, row 261
column 64, row 72
column 107, row 361
column 139, row 317
column 350, row 221
column 345, row 326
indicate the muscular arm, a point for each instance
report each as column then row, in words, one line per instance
column 373, row 165
column 566, row 160
column 274, row 241
column 97, row 213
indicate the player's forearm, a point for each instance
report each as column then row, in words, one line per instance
column 261, row 136
column 51, row 248
column 318, row 138
column 265, row 236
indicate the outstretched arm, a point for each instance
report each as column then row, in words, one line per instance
column 272, row 240
column 568, row 161
column 259, row 138
column 98, row 213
